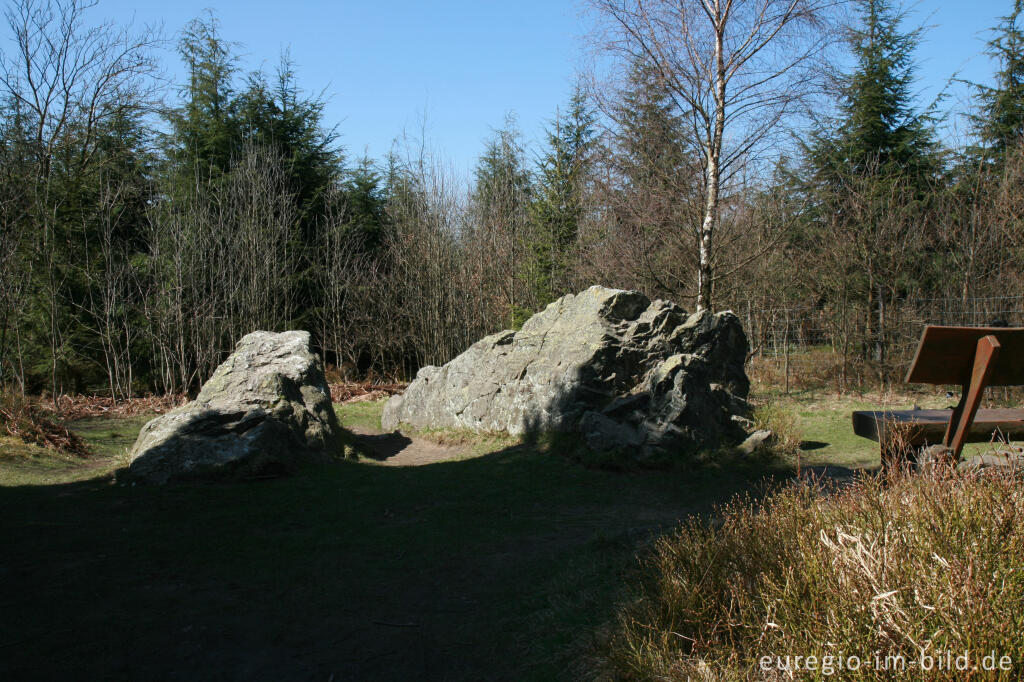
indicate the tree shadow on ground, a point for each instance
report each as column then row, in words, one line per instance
column 497, row 567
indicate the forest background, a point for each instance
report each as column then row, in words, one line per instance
column 764, row 156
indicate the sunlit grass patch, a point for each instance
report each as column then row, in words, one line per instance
column 363, row 413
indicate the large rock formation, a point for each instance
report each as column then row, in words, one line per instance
column 265, row 409
column 625, row 372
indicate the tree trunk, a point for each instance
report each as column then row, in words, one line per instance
column 714, row 171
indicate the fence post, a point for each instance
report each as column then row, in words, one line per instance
column 785, row 350
column 881, row 335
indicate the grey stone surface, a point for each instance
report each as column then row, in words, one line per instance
column 996, row 461
column 624, row 371
column 761, row 439
column 934, row 458
column 266, row 409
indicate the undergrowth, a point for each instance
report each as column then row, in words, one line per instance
column 23, row 418
column 895, row 573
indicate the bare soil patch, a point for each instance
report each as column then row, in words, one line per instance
column 397, row 449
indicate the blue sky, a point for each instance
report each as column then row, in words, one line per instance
column 459, row 67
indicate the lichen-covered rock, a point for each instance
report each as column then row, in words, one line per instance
column 622, row 370
column 266, row 409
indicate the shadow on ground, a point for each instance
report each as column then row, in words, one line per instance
column 383, row 446
column 497, row 567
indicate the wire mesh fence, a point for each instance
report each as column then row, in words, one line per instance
column 838, row 347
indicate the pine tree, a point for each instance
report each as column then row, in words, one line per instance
column 1000, row 124
column 562, row 177
column 876, row 172
column 879, row 132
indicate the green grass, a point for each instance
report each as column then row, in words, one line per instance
column 474, row 443
column 499, row 566
column 110, row 439
column 824, row 424
column 365, row 413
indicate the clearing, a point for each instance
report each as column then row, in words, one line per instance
column 485, row 559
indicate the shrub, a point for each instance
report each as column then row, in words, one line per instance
column 899, row 571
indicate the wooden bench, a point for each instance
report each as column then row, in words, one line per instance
column 975, row 358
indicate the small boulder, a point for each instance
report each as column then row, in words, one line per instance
column 759, row 441
column 934, row 458
column 997, row 461
column 266, row 409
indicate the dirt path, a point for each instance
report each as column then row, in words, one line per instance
column 396, row 449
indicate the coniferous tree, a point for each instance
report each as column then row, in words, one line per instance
column 563, row 176
column 365, row 211
column 219, row 126
column 878, row 131
column 500, row 203
column 203, row 136
column 73, row 91
column 1000, row 123
column 281, row 117
column 651, row 184
column 872, row 175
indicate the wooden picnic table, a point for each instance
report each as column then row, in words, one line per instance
column 974, row 358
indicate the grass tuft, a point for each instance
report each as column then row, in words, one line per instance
column 783, row 423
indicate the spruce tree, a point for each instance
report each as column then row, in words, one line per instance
column 875, row 171
column 365, row 206
column 500, row 203
column 203, row 137
column 878, row 130
column 1000, row 123
column 650, row 141
column 280, row 116
column 654, row 187
column 217, row 125
column 563, row 174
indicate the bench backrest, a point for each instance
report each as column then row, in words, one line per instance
column 945, row 355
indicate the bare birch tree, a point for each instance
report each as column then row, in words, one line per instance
column 734, row 70
column 67, row 75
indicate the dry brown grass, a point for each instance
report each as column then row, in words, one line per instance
column 73, row 407
column 782, row 422
column 23, row 418
column 814, row 369
column 355, row 391
column 887, row 570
